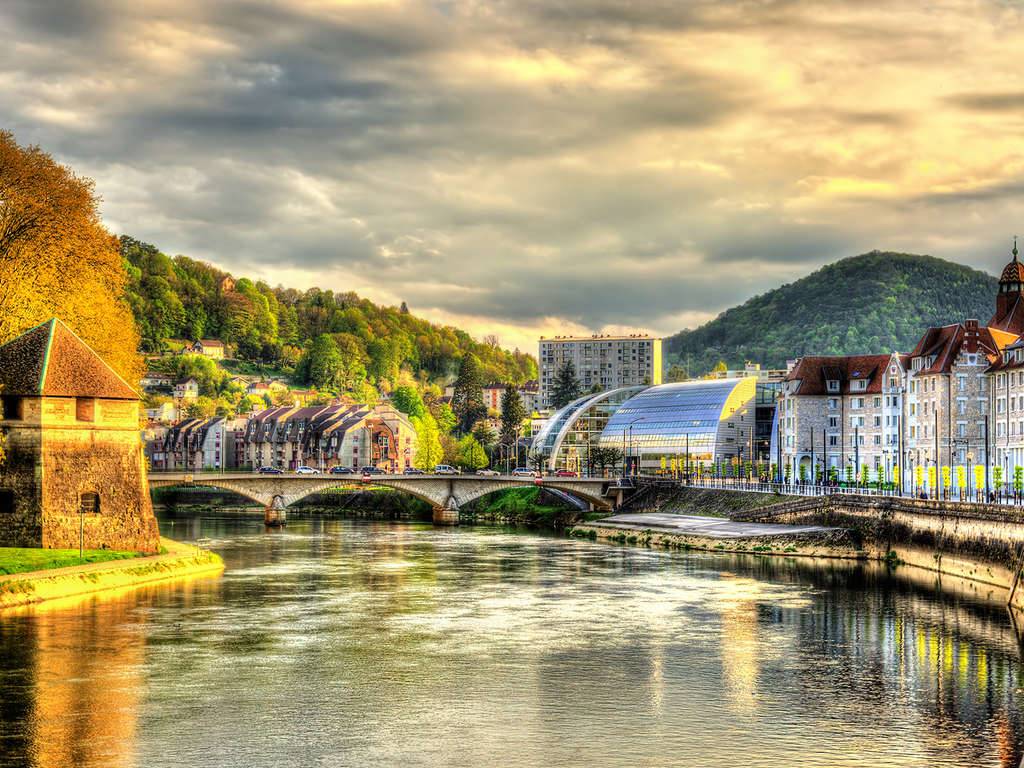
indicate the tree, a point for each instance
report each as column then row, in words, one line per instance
column 3, row 436
column 251, row 403
column 471, row 454
column 566, row 387
column 468, row 398
column 512, row 415
column 445, row 417
column 322, row 364
column 201, row 408
column 676, row 372
column 485, row 435
column 720, row 367
column 56, row 258
column 449, row 450
column 408, row 401
column 428, row 442
column 538, row 460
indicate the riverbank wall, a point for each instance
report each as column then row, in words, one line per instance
column 977, row 542
column 178, row 561
column 974, row 541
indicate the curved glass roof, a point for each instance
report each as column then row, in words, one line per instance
column 670, row 418
column 550, row 437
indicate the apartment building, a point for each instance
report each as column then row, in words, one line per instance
column 607, row 362
column 838, row 414
column 332, row 435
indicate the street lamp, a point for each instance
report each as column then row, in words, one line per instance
column 630, row 463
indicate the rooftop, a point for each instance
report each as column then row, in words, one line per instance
column 604, row 337
column 51, row 361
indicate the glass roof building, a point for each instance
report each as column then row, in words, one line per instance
column 566, row 438
column 708, row 420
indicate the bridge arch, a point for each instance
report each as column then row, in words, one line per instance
column 446, row 493
column 204, row 482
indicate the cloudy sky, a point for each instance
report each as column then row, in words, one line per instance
column 534, row 166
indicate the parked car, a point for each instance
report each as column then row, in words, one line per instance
column 340, row 470
column 488, row 472
column 413, row 471
column 307, row 471
column 523, row 472
column 372, row 471
column 566, row 473
column 445, row 469
column 271, row 471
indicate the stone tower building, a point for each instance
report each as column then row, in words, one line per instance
column 74, row 452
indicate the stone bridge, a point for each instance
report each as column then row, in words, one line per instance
column 445, row 493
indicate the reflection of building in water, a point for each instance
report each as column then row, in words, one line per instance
column 740, row 654
column 83, row 690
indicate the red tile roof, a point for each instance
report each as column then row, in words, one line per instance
column 51, row 361
column 946, row 342
column 814, row 372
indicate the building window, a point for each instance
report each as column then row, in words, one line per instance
column 12, row 407
column 89, row 503
column 6, row 502
column 85, row 409
column 833, row 385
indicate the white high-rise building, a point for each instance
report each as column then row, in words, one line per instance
column 607, row 362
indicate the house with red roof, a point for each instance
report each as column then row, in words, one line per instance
column 956, row 400
column 839, row 414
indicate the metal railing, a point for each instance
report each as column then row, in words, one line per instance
column 999, row 497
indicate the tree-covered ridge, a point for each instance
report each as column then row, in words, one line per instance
column 181, row 298
column 874, row 303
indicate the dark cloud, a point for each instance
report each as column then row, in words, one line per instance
column 596, row 161
column 1007, row 101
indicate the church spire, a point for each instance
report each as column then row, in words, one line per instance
column 1015, row 248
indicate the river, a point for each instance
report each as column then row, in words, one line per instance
column 351, row 643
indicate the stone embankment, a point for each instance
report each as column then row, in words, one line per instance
column 178, row 561
column 977, row 542
column 718, row 534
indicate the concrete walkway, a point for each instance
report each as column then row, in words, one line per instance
column 710, row 527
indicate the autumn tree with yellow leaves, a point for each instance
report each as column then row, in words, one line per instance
column 57, row 259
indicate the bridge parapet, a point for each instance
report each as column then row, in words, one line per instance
column 445, row 493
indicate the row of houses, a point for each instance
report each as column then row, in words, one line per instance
column 957, row 399
column 289, row 437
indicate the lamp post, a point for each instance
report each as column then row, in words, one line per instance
column 632, row 468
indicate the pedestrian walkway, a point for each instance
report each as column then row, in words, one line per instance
column 710, row 527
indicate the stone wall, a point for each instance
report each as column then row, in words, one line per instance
column 20, row 473
column 971, row 540
column 58, row 451
column 103, row 458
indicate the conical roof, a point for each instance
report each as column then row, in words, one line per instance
column 1014, row 271
column 51, row 361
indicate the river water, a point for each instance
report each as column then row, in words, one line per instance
column 342, row 643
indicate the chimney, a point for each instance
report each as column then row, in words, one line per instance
column 971, row 335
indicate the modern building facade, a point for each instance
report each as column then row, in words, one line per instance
column 605, row 362
column 567, row 437
column 696, row 422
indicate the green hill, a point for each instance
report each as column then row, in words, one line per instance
column 876, row 302
column 365, row 344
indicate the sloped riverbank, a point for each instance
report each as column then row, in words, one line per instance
column 179, row 561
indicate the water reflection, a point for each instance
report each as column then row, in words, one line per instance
column 341, row 643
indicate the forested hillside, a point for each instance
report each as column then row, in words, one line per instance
column 181, row 298
column 876, row 302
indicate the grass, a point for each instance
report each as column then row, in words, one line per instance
column 21, row 560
